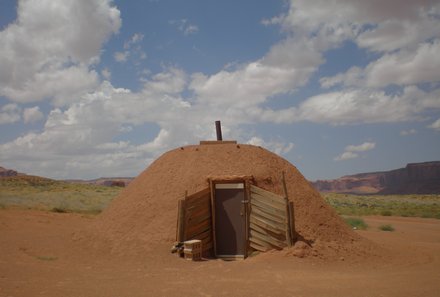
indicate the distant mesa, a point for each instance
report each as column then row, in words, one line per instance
column 7, row 172
column 415, row 178
column 104, row 181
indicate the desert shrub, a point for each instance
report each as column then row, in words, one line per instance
column 386, row 213
column 47, row 258
column 356, row 223
column 59, row 210
column 387, row 228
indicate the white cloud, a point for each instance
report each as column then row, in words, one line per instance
column 75, row 142
column 316, row 28
column 47, row 52
column 377, row 25
column 276, row 20
column 407, row 37
column 184, row 26
column 32, row 115
column 172, row 81
column 121, row 56
column 136, row 38
column 366, row 106
column 346, row 156
column 10, row 113
column 277, row 147
column 132, row 50
column 366, row 146
column 352, row 151
column 408, row 132
column 406, row 67
column 286, row 67
column 407, row 26
column 106, row 73
column 435, row 125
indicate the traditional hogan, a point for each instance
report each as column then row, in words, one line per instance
column 237, row 199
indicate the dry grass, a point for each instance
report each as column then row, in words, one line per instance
column 46, row 194
column 425, row 206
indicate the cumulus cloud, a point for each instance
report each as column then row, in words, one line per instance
column 405, row 67
column 407, row 38
column 121, row 56
column 48, row 51
column 408, row 132
column 135, row 39
column 32, row 115
column 376, row 25
column 287, row 66
column 352, row 151
column 74, row 140
column 9, row 113
column 367, row 106
column 184, row 26
column 77, row 143
column 278, row 147
column 366, row 146
column 106, row 73
column 312, row 28
column 132, row 50
column 346, row 156
column 435, row 125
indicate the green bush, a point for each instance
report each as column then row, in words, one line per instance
column 386, row 213
column 356, row 223
column 387, row 228
column 59, row 210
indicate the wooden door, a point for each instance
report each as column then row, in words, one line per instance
column 230, row 220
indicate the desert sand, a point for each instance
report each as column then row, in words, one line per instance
column 41, row 256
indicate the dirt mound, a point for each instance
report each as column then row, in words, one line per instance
column 145, row 212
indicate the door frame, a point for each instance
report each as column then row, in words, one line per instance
column 231, row 180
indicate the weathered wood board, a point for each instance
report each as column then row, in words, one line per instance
column 269, row 220
column 194, row 219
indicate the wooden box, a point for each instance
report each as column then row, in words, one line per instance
column 192, row 249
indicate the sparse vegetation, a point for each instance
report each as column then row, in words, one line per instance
column 386, row 228
column 57, row 196
column 386, row 213
column 356, row 223
column 62, row 197
column 59, row 210
column 425, row 206
column 47, row 258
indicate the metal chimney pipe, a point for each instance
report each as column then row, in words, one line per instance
column 218, row 129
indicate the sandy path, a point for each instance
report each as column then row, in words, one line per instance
column 39, row 258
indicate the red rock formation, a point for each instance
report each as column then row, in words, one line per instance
column 7, row 172
column 415, row 178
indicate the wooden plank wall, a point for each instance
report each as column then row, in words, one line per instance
column 197, row 219
column 268, row 220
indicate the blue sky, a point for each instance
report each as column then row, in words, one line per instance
column 102, row 88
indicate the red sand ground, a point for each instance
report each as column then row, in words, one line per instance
column 39, row 258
